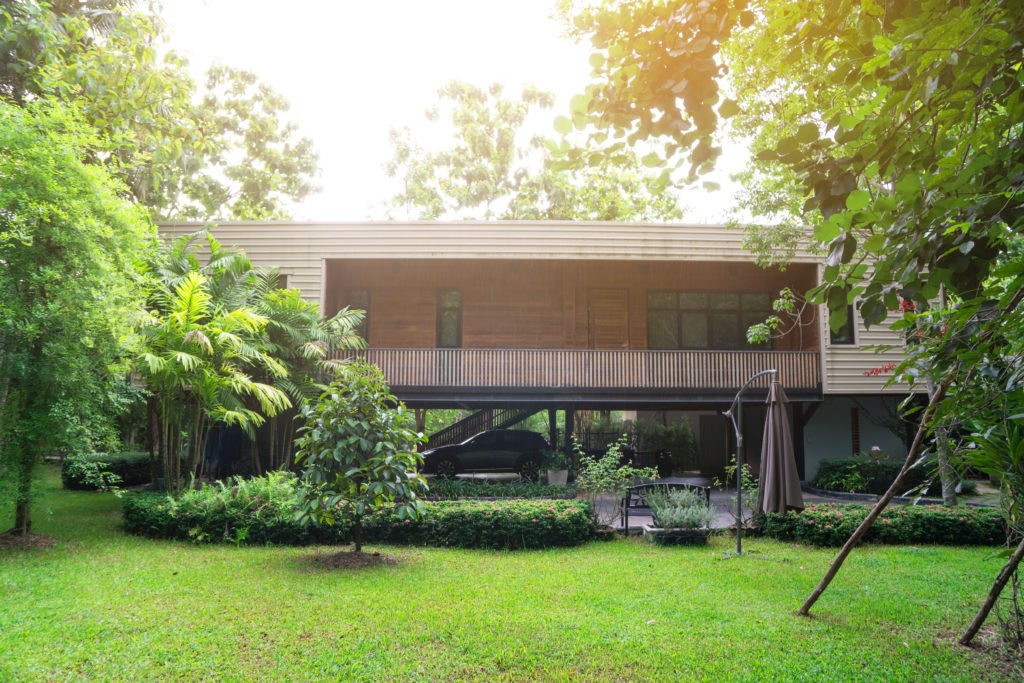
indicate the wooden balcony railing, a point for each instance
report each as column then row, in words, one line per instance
column 681, row 371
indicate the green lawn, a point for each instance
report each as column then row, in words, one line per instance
column 104, row 606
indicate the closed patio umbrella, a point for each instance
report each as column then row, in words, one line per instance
column 779, row 487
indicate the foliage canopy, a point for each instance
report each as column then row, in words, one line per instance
column 187, row 152
column 358, row 452
column 70, row 248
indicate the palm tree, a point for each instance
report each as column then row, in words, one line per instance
column 223, row 344
column 198, row 362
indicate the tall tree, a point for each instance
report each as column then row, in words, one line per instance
column 897, row 125
column 184, row 152
column 494, row 170
column 70, row 248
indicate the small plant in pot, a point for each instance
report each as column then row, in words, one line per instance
column 557, row 463
column 681, row 516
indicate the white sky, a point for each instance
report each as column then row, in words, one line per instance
column 354, row 69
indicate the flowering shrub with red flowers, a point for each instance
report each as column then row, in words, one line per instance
column 831, row 525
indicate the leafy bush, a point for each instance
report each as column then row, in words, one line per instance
column 607, row 476
column 448, row 489
column 866, row 474
column 680, row 509
column 557, row 460
column 499, row 525
column 264, row 510
column 358, row 452
column 258, row 510
column 102, row 470
column 831, row 525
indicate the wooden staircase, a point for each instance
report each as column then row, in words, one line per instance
column 481, row 420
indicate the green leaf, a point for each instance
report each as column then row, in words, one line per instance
column 858, row 199
column 728, row 108
column 652, row 160
column 563, row 125
column 807, row 133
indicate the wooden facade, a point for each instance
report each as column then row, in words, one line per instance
column 582, row 288
column 539, row 305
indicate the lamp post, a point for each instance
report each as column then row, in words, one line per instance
column 737, row 425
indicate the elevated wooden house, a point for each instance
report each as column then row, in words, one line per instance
column 570, row 316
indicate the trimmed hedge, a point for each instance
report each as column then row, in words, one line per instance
column 83, row 472
column 262, row 510
column 452, row 489
column 831, row 525
column 497, row 524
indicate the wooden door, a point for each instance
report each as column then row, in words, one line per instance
column 608, row 319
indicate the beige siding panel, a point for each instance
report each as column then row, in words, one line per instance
column 846, row 364
column 501, row 239
column 299, row 249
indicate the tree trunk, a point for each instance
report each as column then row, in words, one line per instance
column 156, row 456
column 25, row 460
column 1008, row 569
column 21, row 454
column 859, row 532
column 357, row 534
column 947, row 473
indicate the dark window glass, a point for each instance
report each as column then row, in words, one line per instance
column 704, row 320
column 694, row 330
column 725, row 331
column 663, row 330
column 725, row 301
column 449, row 319
column 844, row 335
column 693, row 301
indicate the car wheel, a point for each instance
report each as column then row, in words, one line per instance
column 447, row 468
column 529, row 468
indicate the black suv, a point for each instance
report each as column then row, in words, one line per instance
column 496, row 450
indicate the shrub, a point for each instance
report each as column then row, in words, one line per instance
column 259, row 510
column 101, row 470
column 264, row 510
column 831, row 525
column 498, row 525
column 865, row 474
column 448, row 489
column 358, row 452
column 680, row 509
column 606, row 476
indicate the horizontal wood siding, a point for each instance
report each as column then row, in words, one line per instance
column 299, row 248
column 593, row 255
column 539, row 304
column 846, row 364
column 589, row 369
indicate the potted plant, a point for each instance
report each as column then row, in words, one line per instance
column 557, row 463
column 681, row 517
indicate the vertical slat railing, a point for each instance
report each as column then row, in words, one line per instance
column 589, row 369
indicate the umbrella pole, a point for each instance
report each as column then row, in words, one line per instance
column 737, row 425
